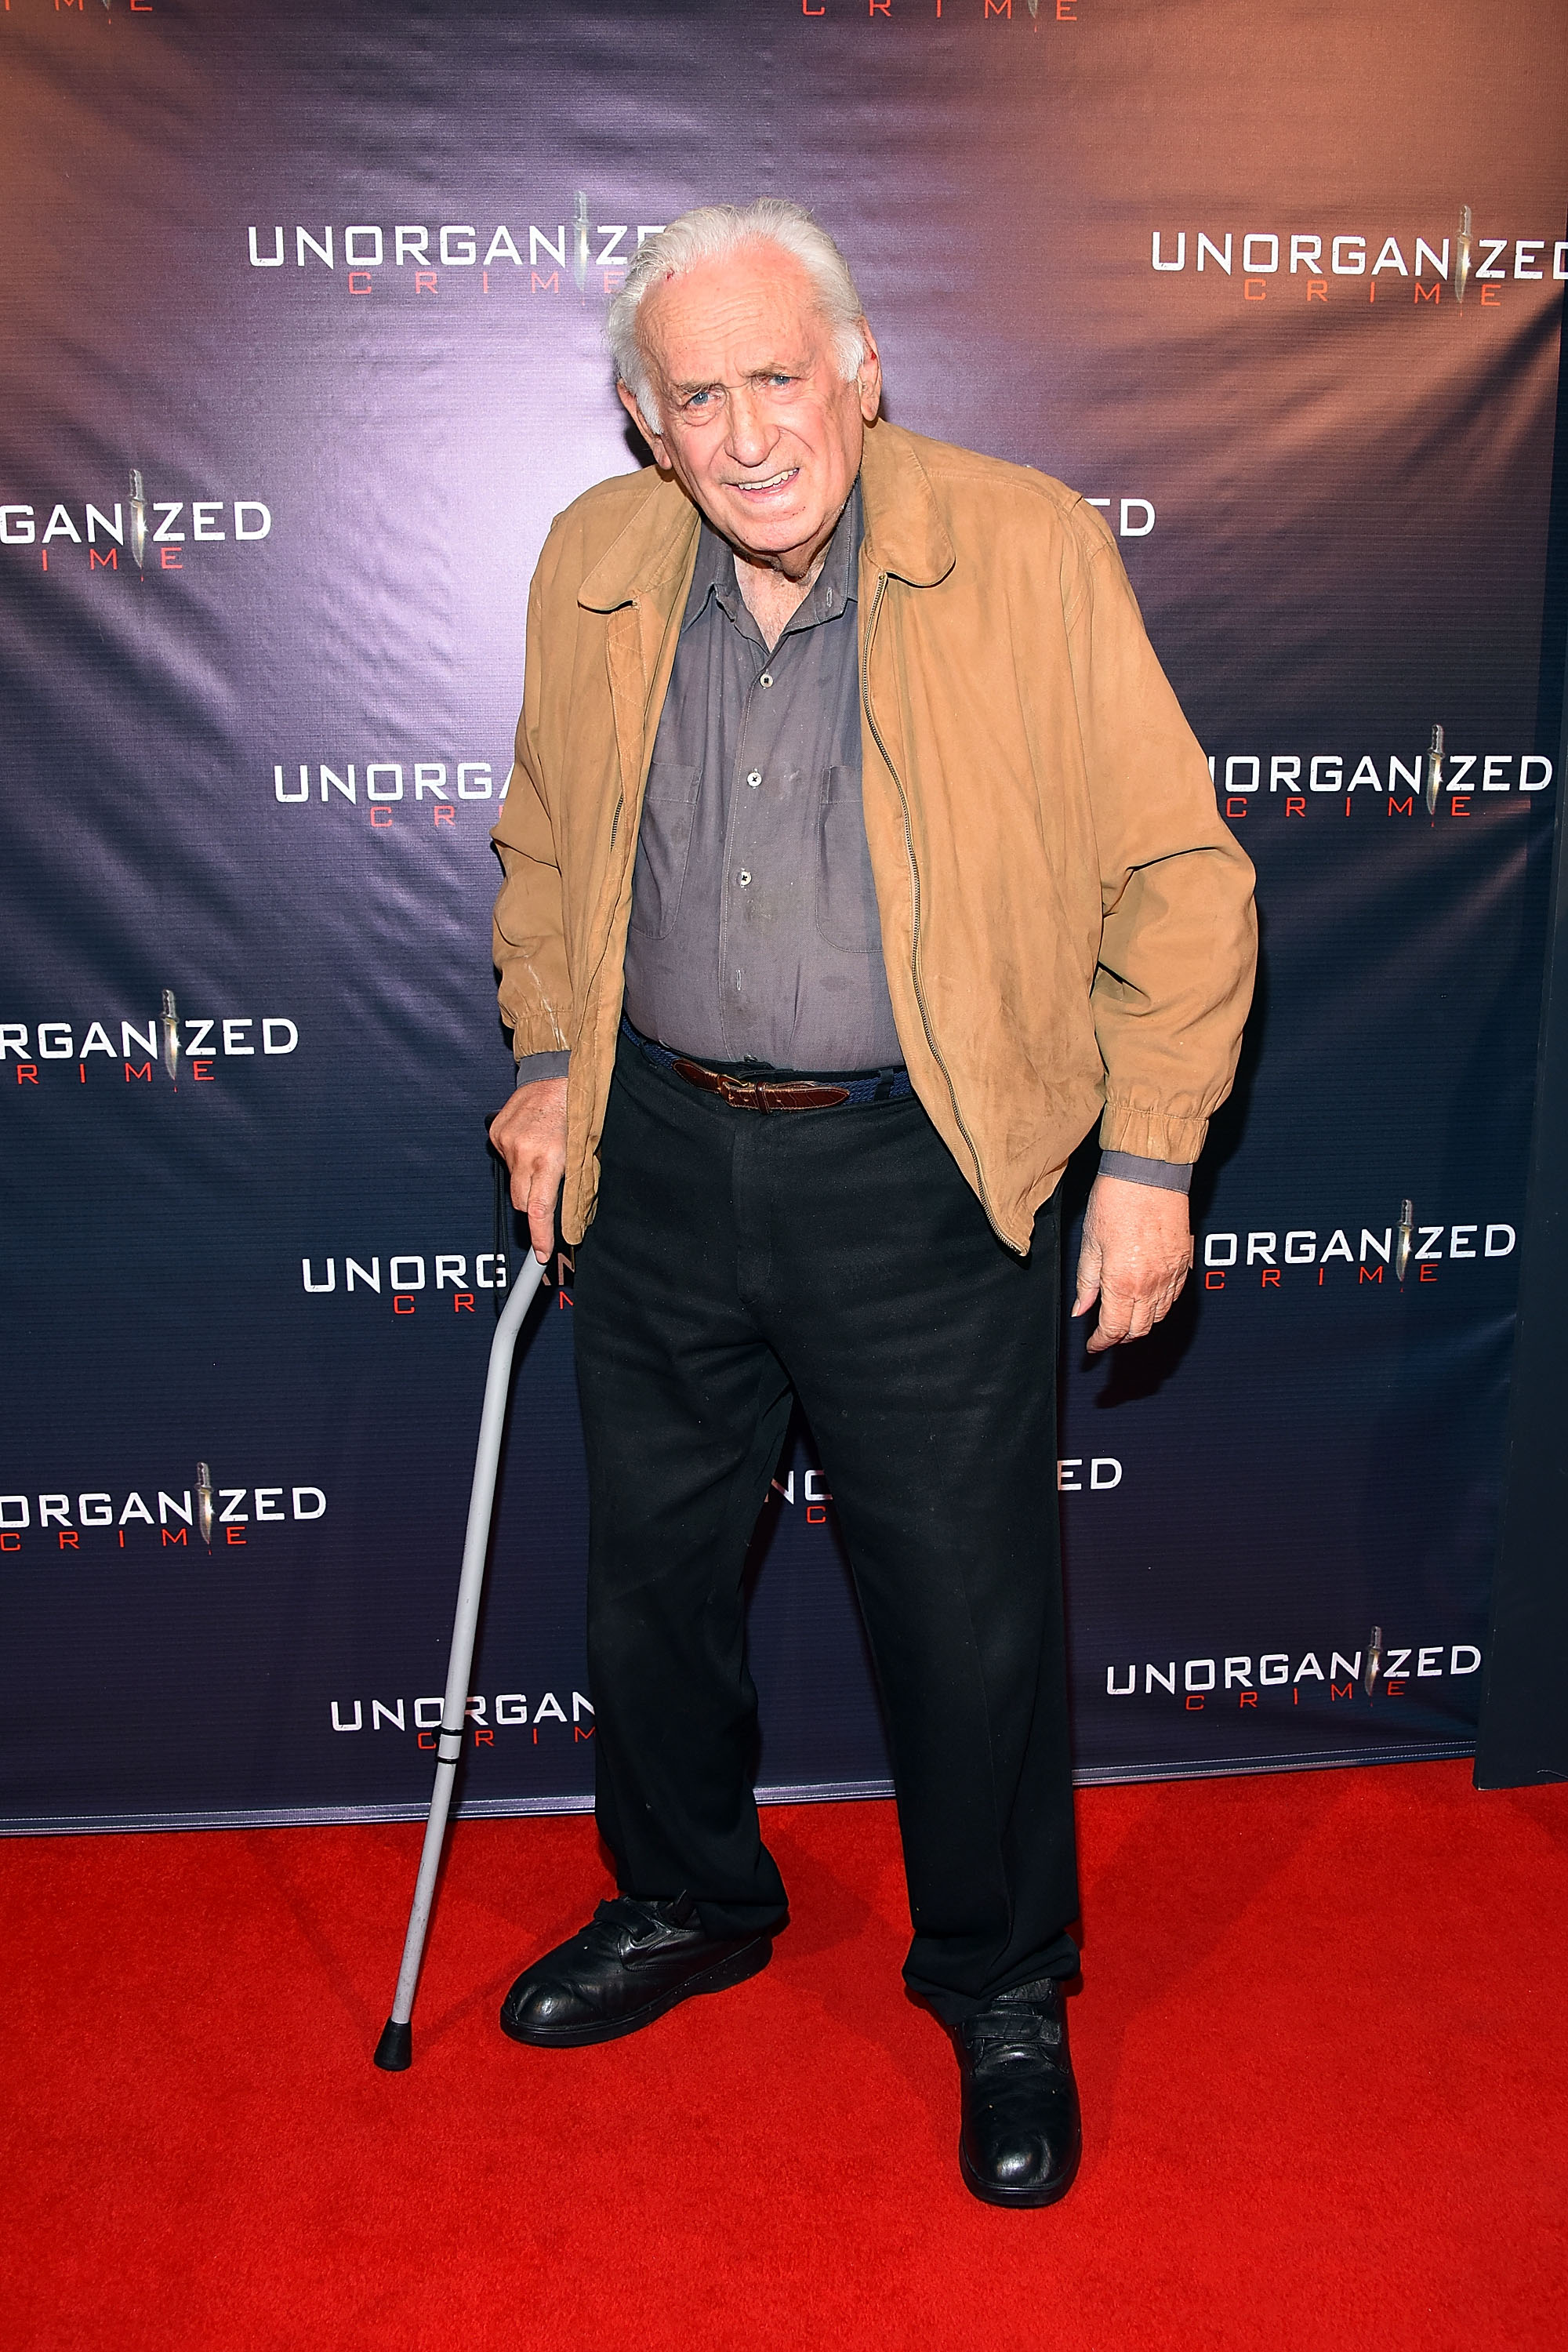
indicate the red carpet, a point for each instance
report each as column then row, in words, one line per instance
column 1321, row 2048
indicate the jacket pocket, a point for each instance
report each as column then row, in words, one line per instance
column 846, row 908
column 664, row 844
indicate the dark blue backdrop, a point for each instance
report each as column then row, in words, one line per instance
column 331, row 284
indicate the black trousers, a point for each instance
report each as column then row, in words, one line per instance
column 735, row 1259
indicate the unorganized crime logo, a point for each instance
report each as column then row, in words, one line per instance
column 209, row 1511
column 1431, row 783
column 417, row 258
column 512, row 1712
column 1272, row 1258
column 433, row 791
column 1236, row 1681
column 169, row 1038
column 152, row 534
column 1425, row 274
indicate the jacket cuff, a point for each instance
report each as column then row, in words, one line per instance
column 530, row 1068
column 1161, row 1175
column 1151, row 1134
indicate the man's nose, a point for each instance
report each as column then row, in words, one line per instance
column 751, row 435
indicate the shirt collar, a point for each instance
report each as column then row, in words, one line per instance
column 832, row 590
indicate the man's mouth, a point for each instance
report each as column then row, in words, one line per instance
column 773, row 482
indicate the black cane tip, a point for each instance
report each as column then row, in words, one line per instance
column 395, row 2051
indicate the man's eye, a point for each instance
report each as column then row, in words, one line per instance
column 700, row 400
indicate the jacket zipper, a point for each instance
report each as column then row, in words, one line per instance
column 915, row 929
column 616, row 816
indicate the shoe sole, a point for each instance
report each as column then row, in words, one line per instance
column 1025, row 2199
column 749, row 1961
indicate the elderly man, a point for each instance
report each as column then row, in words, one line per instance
column 856, row 856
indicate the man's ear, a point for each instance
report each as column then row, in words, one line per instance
column 655, row 440
column 868, row 378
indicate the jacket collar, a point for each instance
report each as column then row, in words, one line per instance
column 656, row 546
column 905, row 534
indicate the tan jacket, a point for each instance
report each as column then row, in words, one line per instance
column 1066, row 922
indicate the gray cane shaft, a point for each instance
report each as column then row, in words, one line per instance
column 424, row 1895
column 470, row 1586
column 481, row 1498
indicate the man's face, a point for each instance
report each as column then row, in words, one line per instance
column 759, row 427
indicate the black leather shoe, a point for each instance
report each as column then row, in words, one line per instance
column 1021, row 2139
column 632, row 1961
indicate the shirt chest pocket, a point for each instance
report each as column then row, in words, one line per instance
column 664, row 846
column 845, row 909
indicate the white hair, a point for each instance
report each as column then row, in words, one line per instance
column 709, row 233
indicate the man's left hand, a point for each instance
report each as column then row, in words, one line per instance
column 1137, row 1250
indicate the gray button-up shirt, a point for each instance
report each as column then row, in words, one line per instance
column 754, row 934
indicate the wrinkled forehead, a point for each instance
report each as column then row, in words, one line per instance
column 727, row 319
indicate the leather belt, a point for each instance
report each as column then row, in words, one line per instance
column 761, row 1094
column 774, row 1094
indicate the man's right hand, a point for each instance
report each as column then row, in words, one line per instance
column 531, row 1136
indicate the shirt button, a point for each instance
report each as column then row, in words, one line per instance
column 766, row 679
column 742, row 878
column 755, row 778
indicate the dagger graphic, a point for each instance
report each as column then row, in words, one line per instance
column 580, row 238
column 205, row 1504
column 169, row 1027
column 1462, row 257
column 138, row 515
column 1406, row 1229
column 1374, row 1659
column 1434, row 770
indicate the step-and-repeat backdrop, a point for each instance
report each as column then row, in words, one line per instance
column 302, row 350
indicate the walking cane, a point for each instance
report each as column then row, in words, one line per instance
column 395, row 2051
